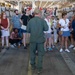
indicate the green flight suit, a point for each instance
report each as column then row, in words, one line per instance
column 36, row 28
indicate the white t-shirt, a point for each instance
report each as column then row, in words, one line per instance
column 49, row 25
column 64, row 23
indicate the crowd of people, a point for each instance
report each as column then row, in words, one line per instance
column 45, row 31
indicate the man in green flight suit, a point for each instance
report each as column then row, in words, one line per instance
column 36, row 28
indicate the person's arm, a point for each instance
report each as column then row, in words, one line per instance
column 12, row 35
column 45, row 26
column 8, row 23
column 59, row 25
column 21, row 19
column 1, row 26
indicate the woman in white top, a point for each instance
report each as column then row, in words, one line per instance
column 48, row 33
column 64, row 25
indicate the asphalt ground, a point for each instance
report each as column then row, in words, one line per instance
column 16, row 62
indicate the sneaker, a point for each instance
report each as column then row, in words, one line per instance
column 7, row 48
column 53, row 46
column 3, row 47
column 45, row 49
column 55, row 41
column 19, row 45
column 50, row 49
column 71, row 46
column 12, row 46
column 74, row 48
column 36, row 52
column 33, row 67
column 25, row 47
column 39, row 71
column 15, row 45
column 67, row 50
column 61, row 50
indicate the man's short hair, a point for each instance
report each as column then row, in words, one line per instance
column 37, row 11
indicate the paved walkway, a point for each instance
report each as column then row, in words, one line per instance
column 16, row 62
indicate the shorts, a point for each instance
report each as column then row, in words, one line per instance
column 47, row 35
column 23, row 31
column 5, row 33
column 66, row 33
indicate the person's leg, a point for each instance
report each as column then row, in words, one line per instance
column 66, row 44
column 11, row 41
column 14, row 41
column 2, row 42
column 60, row 38
column 45, row 45
column 47, row 42
column 72, row 41
column 24, row 39
column 32, row 54
column 18, row 42
column 20, row 32
column 74, row 38
column 62, row 41
column 62, row 44
column 74, row 44
column 50, row 43
column 52, row 40
column 55, row 36
column 7, row 41
column 41, row 53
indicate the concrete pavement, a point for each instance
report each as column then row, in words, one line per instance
column 16, row 62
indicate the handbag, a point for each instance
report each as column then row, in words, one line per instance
column 60, row 32
column 23, row 27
